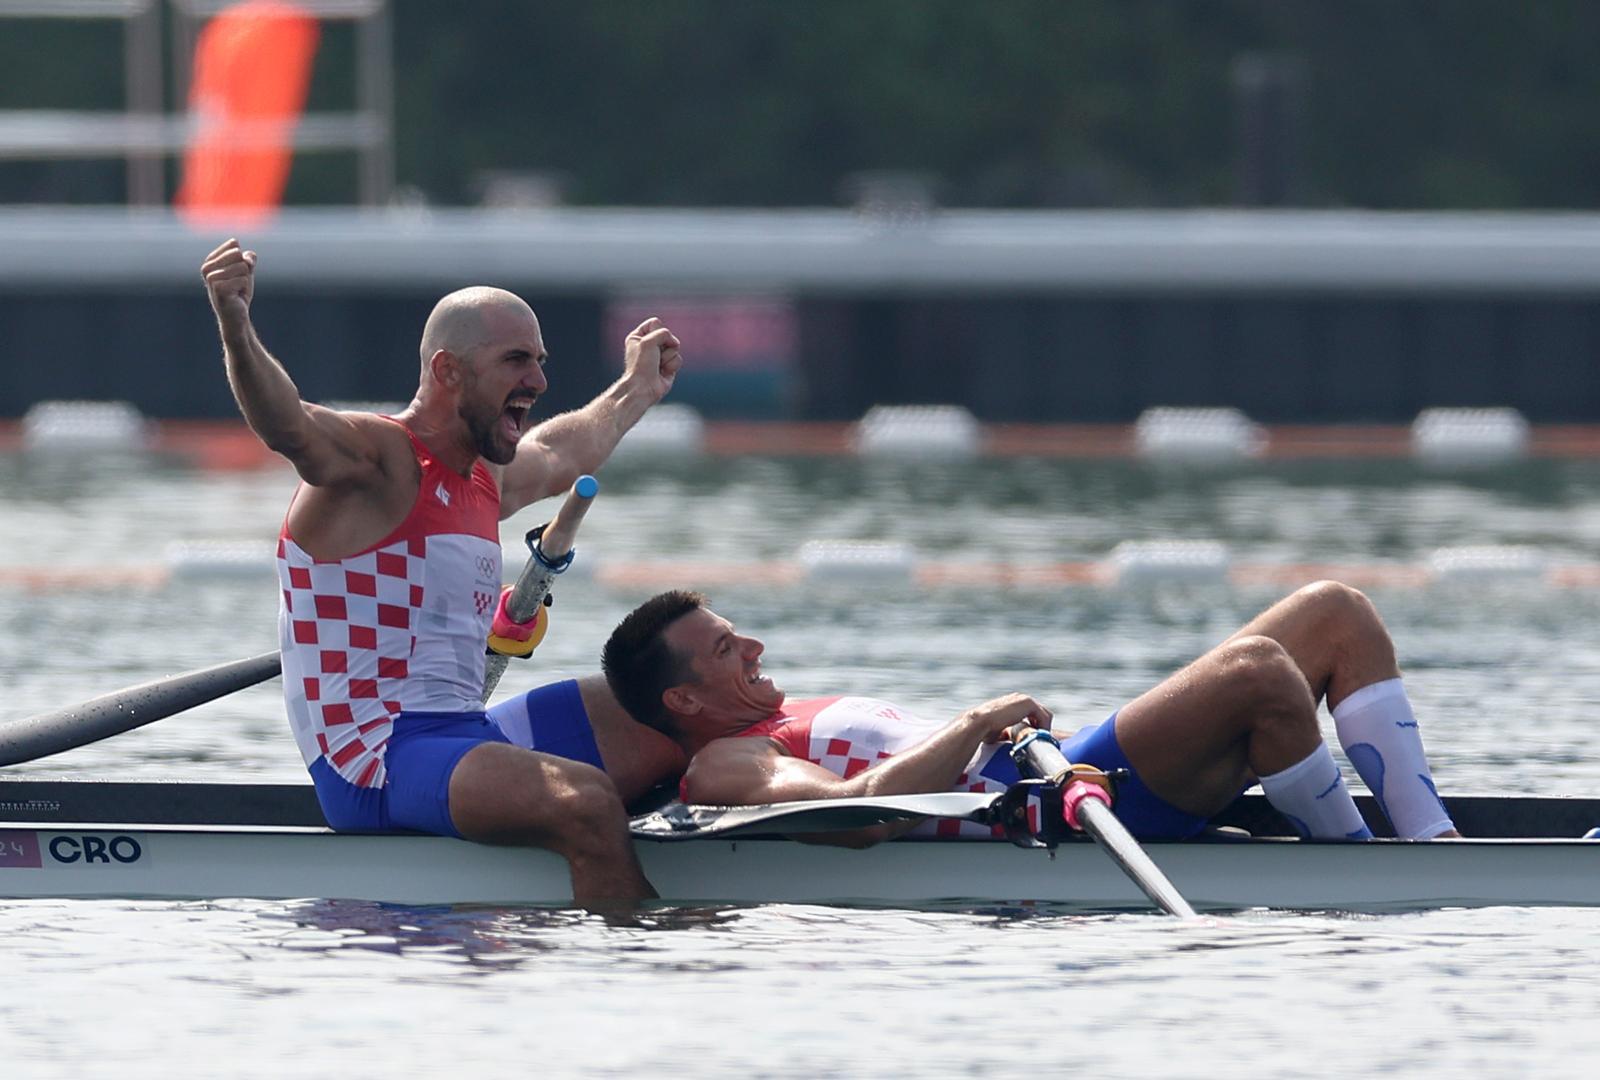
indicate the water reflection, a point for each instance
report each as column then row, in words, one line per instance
column 488, row 937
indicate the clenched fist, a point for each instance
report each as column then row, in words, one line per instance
column 651, row 356
column 230, row 276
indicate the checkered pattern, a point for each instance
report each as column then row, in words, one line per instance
column 399, row 628
column 350, row 629
column 847, row 735
column 843, row 757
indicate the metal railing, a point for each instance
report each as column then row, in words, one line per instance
column 145, row 133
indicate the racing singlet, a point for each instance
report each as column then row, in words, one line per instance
column 398, row 627
column 848, row 734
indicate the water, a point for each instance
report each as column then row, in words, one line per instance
column 1505, row 680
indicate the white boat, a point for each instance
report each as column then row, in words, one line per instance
column 86, row 839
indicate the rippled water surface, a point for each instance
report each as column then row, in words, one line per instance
column 1505, row 676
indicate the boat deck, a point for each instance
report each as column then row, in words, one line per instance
column 184, row 802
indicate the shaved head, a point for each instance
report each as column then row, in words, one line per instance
column 465, row 319
column 482, row 368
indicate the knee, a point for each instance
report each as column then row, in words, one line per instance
column 584, row 801
column 1338, row 605
column 1261, row 672
column 501, row 794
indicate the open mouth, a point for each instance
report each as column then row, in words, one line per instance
column 514, row 418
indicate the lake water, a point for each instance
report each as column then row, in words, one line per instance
column 1505, row 677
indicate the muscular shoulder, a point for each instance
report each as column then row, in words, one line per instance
column 369, row 500
column 726, row 770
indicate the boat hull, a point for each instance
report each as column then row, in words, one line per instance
column 186, row 862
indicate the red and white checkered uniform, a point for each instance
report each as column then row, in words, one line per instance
column 848, row 734
column 400, row 626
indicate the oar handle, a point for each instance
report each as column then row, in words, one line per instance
column 550, row 549
column 1086, row 806
column 1038, row 753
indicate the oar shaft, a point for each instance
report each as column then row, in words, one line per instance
column 1040, row 753
column 549, row 550
column 111, row 714
column 1099, row 822
column 549, row 553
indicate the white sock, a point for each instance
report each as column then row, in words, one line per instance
column 1380, row 737
column 1312, row 795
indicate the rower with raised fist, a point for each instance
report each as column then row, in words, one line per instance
column 389, row 566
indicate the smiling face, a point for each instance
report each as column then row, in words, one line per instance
column 728, row 691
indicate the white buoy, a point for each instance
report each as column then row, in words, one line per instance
column 84, row 427
column 1197, row 435
column 1490, row 564
column 220, row 560
column 857, row 562
column 1160, row 562
column 1469, row 436
column 918, row 432
column 668, row 430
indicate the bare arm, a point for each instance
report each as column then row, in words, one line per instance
column 558, row 451
column 751, row 771
column 327, row 448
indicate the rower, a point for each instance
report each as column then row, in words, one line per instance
column 1245, row 712
column 389, row 567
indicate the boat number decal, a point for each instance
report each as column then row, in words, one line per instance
column 90, row 848
column 18, row 849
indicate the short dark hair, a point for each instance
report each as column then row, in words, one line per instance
column 638, row 662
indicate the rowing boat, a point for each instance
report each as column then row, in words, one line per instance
column 187, row 840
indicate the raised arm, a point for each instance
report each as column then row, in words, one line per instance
column 750, row 771
column 327, row 448
column 554, row 454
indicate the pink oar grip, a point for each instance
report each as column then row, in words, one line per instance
column 1073, row 797
column 505, row 626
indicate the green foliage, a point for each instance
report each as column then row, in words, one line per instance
column 1426, row 104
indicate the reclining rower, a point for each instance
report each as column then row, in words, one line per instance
column 1243, row 713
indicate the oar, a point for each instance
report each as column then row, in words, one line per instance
column 549, row 553
column 123, row 710
column 678, row 821
column 1087, row 807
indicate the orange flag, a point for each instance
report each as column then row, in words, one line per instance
column 252, row 71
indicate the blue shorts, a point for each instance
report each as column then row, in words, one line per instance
column 424, row 749
column 1146, row 814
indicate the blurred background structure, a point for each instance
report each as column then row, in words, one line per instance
column 1040, row 211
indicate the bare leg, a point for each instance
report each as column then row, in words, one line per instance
column 1339, row 643
column 637, row 757
column 503, row 794
column 1241, row 711
column 1334, row 635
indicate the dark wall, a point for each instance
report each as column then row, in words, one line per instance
column 160, row 350
column 1283, row 360
column 1314, row 359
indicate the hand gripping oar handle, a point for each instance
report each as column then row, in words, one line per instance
column 550, row 549
column 1087, row 807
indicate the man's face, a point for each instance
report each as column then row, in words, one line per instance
column 726, row 682
column 501, row 379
